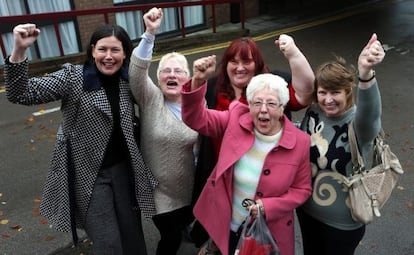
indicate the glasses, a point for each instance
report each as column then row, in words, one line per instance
column 177, row 71
column 269, row 105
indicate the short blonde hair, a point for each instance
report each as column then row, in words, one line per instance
column 175, row 55
column 268, row 81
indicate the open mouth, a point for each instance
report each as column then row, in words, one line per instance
column 172, row 83
column 264, row 119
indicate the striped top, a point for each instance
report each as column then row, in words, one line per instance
column 247, row 171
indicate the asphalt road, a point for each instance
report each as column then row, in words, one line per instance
column 27, row 140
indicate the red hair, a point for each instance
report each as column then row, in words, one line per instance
column 243, row 47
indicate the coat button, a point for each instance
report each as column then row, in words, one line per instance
column 259, row 194
column 213, row 183
column 289, row 223
column 266, row 172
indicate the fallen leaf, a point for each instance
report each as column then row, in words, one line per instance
column 37, row 200
column 400, row 187
column 1, row 213
column 36, row 212
column 410, row 205
column 16, row 227
column 49, row 238
column 43, row 221
column 4, row 222
column 30, row 118
column 6, row 235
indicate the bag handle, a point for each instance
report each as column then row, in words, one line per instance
column 358, row 164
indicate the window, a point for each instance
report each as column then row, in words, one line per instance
column 46, row 45
column 133, row 23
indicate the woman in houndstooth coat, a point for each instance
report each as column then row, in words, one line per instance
column 97, row 179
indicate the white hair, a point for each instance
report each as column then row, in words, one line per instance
column 268, row 81
column 177, row 56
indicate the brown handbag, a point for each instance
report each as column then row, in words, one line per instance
column 369, row 189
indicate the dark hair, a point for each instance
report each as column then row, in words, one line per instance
column 243, row 46
column 107, row 31
column 336, row 75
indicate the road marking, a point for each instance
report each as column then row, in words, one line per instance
column 42, row 112
column 362, row 9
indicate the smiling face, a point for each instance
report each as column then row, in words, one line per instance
column 108, row 55
column 240, row 62
column 240, row 71
column 332, row 102
column 171, row 77
column 266, row 111
column 334, row 82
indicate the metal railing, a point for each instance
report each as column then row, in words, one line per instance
column 56, row 16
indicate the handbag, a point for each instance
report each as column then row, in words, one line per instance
column 369, row 189
column 255, row 237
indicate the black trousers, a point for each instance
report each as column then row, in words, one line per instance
column 112, row 224
column 321, row 239
column 171, row 226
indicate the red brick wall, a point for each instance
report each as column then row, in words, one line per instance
column 87, row 24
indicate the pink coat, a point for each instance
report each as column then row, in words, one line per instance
column 285, row 181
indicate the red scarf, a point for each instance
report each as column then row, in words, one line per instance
column 223, row 102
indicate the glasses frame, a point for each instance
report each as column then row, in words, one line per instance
column 269, row 105
column 177, row 71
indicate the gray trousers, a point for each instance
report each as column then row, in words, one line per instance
column 111, row 223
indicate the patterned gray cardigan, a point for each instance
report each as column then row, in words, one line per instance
column 87, row 121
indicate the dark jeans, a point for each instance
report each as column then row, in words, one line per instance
column 111, row 223
column 234, row 240
column 321, row 239
column 171, row 225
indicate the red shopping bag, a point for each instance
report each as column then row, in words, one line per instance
column 255, row 238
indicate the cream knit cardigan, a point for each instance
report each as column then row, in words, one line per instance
column 166, row 142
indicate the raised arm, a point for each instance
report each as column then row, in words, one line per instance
column 142, row 86
column 368, row 115
column 24, row 36
column 195, row 115
column 302, row 74
column 203, row 69
column 371, row 55
column 152, row 21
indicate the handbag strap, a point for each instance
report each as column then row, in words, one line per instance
column 358, row 164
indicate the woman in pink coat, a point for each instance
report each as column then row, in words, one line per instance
column 263, row 157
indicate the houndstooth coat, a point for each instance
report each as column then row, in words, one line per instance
column 87, row 121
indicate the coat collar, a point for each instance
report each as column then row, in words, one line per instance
column 245, row 121
column 91, row 77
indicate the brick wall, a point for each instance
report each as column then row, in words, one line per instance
column 87, row 24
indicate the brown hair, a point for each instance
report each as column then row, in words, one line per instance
column 336, row 75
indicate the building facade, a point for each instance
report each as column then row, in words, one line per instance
column 75, row 31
